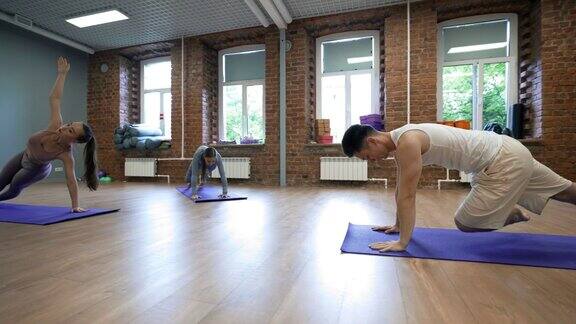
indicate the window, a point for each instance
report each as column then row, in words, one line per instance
column 156, row 81
column 347, row 79
column 477, row 69
column 241, row 77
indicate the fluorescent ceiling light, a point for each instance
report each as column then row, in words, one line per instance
column 97, row 19
column 354, row 60
column 475, row 48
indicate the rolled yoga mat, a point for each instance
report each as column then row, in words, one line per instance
column 208, row 194
column 143, row 130
column 127, row 143
column 147, row 142
column 155, row 142
column 141, row 145
column 135, row 139
column 44, row 215
column 165, row 145
column 536, row 250
column 121, row 130
column 118, row 139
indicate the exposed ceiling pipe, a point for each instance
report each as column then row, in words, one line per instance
column 182, row 95
column 283, row 11
column 29, row 25
column 408, row 62
column 257, row 12
column 273, row 13
column 282, row 102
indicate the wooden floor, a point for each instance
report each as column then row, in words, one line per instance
column 273, row 258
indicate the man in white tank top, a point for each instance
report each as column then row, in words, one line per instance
column 505, row 174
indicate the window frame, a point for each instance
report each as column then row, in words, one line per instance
column 374, row 71
column 162, row 91
column 245, row 84
column 478, row 66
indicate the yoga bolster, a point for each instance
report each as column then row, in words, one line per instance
column 127, row 143
column 140, row 145
column 153, row 143
column 143, row 131
column 118, row 138
column 134, row 140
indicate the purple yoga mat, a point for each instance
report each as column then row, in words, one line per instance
column 44, row 215
column 208, row 194
column 537, row 250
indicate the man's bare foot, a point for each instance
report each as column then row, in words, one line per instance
column 516, row 216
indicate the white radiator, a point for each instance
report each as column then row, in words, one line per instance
column 343, row 168
column 140, row 167
column 234, row 167
column 465, row 177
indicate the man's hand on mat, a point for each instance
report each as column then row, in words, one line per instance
column 388, row 229
column 390, row 246
column 78, row 210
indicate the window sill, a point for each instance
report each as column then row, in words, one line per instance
column 237, row 145
column 135, row 149
column 318, row 148
column 532, row 141
column 312, row 145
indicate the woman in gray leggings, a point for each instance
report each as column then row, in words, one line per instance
column 205, row 160
column 33, row 164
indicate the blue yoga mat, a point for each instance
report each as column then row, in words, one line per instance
column 537, row 250
column 208, row 194
column 44, row 215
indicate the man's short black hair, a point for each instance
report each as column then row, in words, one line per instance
column 354, row 138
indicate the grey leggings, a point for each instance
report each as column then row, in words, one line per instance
column 20, row 173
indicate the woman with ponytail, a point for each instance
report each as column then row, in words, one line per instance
column 56, row 142
column 205, row 160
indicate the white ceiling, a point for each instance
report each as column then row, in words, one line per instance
column 160, row 20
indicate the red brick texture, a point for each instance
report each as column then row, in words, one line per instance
column 104, row 109
column 558, row 54
column 534, row 73
column 550, row 82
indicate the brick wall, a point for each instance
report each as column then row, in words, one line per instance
column 530, row 72
column 125, row 93
column 201, row 104
column 303, row 158
column 450, row 9
column 551, row 81
column 558, row 54
column 211, row 76
column 104, row 109
column 534, row 75
column 134, row 84
column 176, row 86
column 264, row 158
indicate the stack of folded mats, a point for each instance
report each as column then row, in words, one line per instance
column 141, row 137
